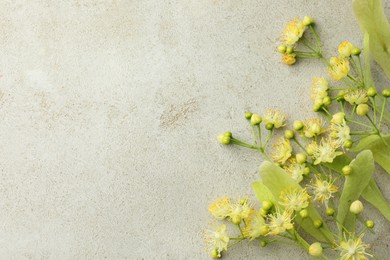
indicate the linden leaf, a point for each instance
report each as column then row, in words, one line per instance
column 354, row 185
column 374, row 196
column 262, row 193
column 277, row 180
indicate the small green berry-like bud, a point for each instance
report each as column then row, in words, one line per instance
column 356, row 51
column 298, row 125
column 327, row 101
column 224, row 139
column 267, row 205
column 386, row 93
column 248, row 115
column 356, row 207
column 301, row 158
column 315, row 249
column 263, row 243
column 289, row 50
column 330, row 211
column 347, row 170
column 256, row 119
column 269, row 126
column 263, row 212
column 348, row 144
column 318, row 223
column 371, row 92
column 282, row 48
column 307, row 20
column 289, row 134
column 306, row 171
column 215, row 254
column 370, row 223
column 317, row 107
column 362, row 109
column 264, row 230
column 228, row 134
column 338, row 118
column 304, row 213
column 236, row 220
column 340, row 95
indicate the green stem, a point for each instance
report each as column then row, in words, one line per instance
column 382, row 112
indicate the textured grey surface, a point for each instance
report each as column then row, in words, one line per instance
column 109, row 112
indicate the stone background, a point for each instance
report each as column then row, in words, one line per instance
column 109, row 111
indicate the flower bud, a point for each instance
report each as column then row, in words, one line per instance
column 356, row 51
column 298, row 125
column 236, row 220
column 264, row 230
column 289, row 50
column 371, row 92
column 370, row 224
column 386, row 93
column 330, row 211
column 289, row 134
column 228, row 134
column 248, row 115
column 362, row 109
column 338, row 118
column 340, row 95
column 256, row 119
column 356, row 207
column 315, row 129
column 318, row 223
column 215, row 254
column 347, row 170
column 267, row 205
column 301, row 158
column 269, row 126
column 317, row 106
column 304, row 213
column 327, row 101
column 263, row 243
column 315, row 249
column 282, row 48
column 348, row 143
column 263, row 212
column 306, row 171
column 307, row 20
column 224, row 139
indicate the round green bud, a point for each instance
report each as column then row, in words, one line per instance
column 347, row 170
column 362, row 109
column 338, row 118
column 228, row 134
column 256, row 119
column 356, row 207
column 264, row 230
column 327, row 101
column 263, row 212
column 356, row 51
column 298, row 125
column 348, row 143
column 236, row 220
column 289, row 134
column 371, row 92
column 289, row 50
column 318, row 223
column 370, row 223
column 282, row 48
column 340, row 95
column 386, row 93
column 306, row 171
column 330, row 211
column 248, row 115
column 317, row 107
column 316, row 129
column 269, row 126
column 307, row 20
column 315, row 249
column 267, row 205
column 224, row 139
column 304, row 213
column 301, row 158
column 263, row 243
column 215, row 254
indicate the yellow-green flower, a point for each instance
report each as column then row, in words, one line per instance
column 319, row 88
column 220, row 209
column 345, row 49
column 323, row 189
column 295, row 170
column 282, row 150
column 353, row 248
column 239, row 210
column 325, row 152
column 313, row 127
column 280, row 222
column 356, row 97
column 289, row 58
column 216, row 239
column 340, row 133
column 294, row 199
column 275, row 117
column 255, row 226
column 293, row 31
column 338, row 68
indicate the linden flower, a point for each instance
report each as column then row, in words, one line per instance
column 312, row 127
column 280, row 222
column 282, row 151
column 275, row 117
column 345, row 49
column 294, row 200
column 293, row 31
column 323, row 190
column 339, row 68
column 216, row 239
column 319, row 88
column 295, row 170
column 353, row 248
column 255, row 226
column 220, row 209
column 239, row 210
column 325, row 152
column 289, row 58
column 340, row 133
column 356, row 97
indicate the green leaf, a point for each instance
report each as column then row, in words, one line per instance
column 380, row 148
column 277, row 180
column 372, row 19
column 339, row 162
column 373, row 195
column 367, row 61
column 263, row 193
column 362, row 170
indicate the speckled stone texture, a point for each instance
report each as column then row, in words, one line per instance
column 109, row 111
